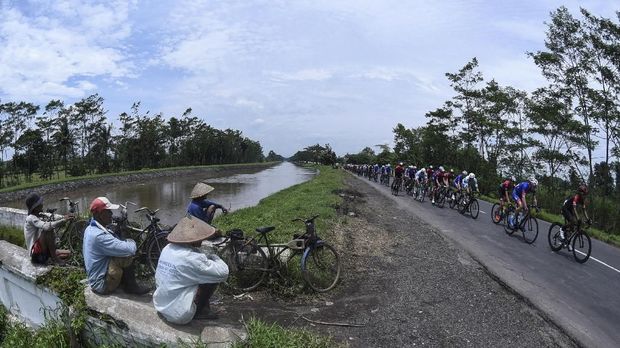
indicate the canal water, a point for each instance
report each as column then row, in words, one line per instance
column 236, row 189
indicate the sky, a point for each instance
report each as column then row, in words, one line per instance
column 289, row 74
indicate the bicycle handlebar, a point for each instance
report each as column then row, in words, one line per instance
column 305, row 220
column 150, row 212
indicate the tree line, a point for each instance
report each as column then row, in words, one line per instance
column 78, row 139
column 553, row 133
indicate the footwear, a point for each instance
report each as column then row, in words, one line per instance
column 136, row 289
column 206, row 314
column 562, row 234
column 569, row 247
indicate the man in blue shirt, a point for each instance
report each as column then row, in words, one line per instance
column 200, row 206
column 107, row 259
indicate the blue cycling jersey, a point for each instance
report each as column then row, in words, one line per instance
column 523, row 188
column 458, row 179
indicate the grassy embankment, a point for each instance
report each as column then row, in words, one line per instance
column 304, row 200
column 36, row 182
column 316, row 196
column 596, row 233
column 12, row 235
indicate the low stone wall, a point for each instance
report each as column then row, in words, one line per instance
column 12, row 217
column 19, row 292
column 118, row 319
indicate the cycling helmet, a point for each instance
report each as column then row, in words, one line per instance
column 451, row 170
column 533, row 181
column 430, row 167
column 441, row 169
column 464, row 172
column 513, row 179
column 472, row 175
column 411, row 167
column 423, row 169
column 400, row 163
column 388, row 165
column 583, row 189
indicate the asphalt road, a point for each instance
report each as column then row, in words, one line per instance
column 583, row 299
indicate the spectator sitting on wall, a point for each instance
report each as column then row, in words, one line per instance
column 39, row 235
column 107, row 259
column 186, row 277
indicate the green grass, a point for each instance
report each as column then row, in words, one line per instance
column 12, row 235
column 142, row 171
column 17, row 335
column 317, row 196
column 544, row 215
column 263, row 335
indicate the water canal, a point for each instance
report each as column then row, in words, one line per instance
column 236, row 189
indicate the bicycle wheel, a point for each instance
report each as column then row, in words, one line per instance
column 582, row 247
column 247, row 265
column 422, row 195
column 555, row 242
column 441, row 199
column 474, row 208
column 510, row 216
column 153, row 251
column 75, row 235
column 496, row 214
column 320, row 267
column 530, row 230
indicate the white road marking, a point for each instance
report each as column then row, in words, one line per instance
column 599, row 261
column 483, row 212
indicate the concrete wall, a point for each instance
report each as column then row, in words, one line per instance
column 18, row 291
column 12, row 217
column 130, row 321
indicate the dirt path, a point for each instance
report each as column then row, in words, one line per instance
column 409, row 286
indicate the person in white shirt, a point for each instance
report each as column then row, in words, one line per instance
column 186, row 277
column 39, row 235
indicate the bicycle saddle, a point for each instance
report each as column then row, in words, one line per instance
column 263, row 230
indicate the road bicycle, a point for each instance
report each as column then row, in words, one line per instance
column 69, row 236
column 455, row 197
column 421, row 190
column 440, row 196
column 396, row 185
column 410, row 187
column 527, row 224
column 251, row 260
column 498, row 215
column 150, row 240
column 578, row 240
column 469, row 204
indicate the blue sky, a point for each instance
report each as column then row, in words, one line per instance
column 287, row 73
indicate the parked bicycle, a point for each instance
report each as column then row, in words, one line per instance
column 150, row 240
column 249, row 265
column 526, row 223
column 69, row 236
column 578, row 240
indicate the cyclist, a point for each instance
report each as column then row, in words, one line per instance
column 438, row 179
column 518, row 195
column 458, row 181
column 398, row 174
column 569, row 209
column 471, row 183
column 409, row 174
column 503, row 189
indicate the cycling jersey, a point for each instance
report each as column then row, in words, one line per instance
column 574, row 201
column 504, row 187
column 521, row 190
column 420, row 175
column 472, row 183
column 388, row 170
column 398, row 171
column 458, row 180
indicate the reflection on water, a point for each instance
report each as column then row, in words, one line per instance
column 234, row 189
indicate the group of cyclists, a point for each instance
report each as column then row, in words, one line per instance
column 436, row 180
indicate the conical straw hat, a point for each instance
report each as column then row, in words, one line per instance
column 200, row 190
column 190, row 230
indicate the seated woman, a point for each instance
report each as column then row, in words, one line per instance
column 39, row 235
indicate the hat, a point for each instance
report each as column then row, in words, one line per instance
column 189, row 230
column 200, row 190
column 32, row 201
column 100, row 204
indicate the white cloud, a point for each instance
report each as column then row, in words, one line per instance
column 301, row 75
column 258, row 121
column 249, row 104
column 58, row 41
